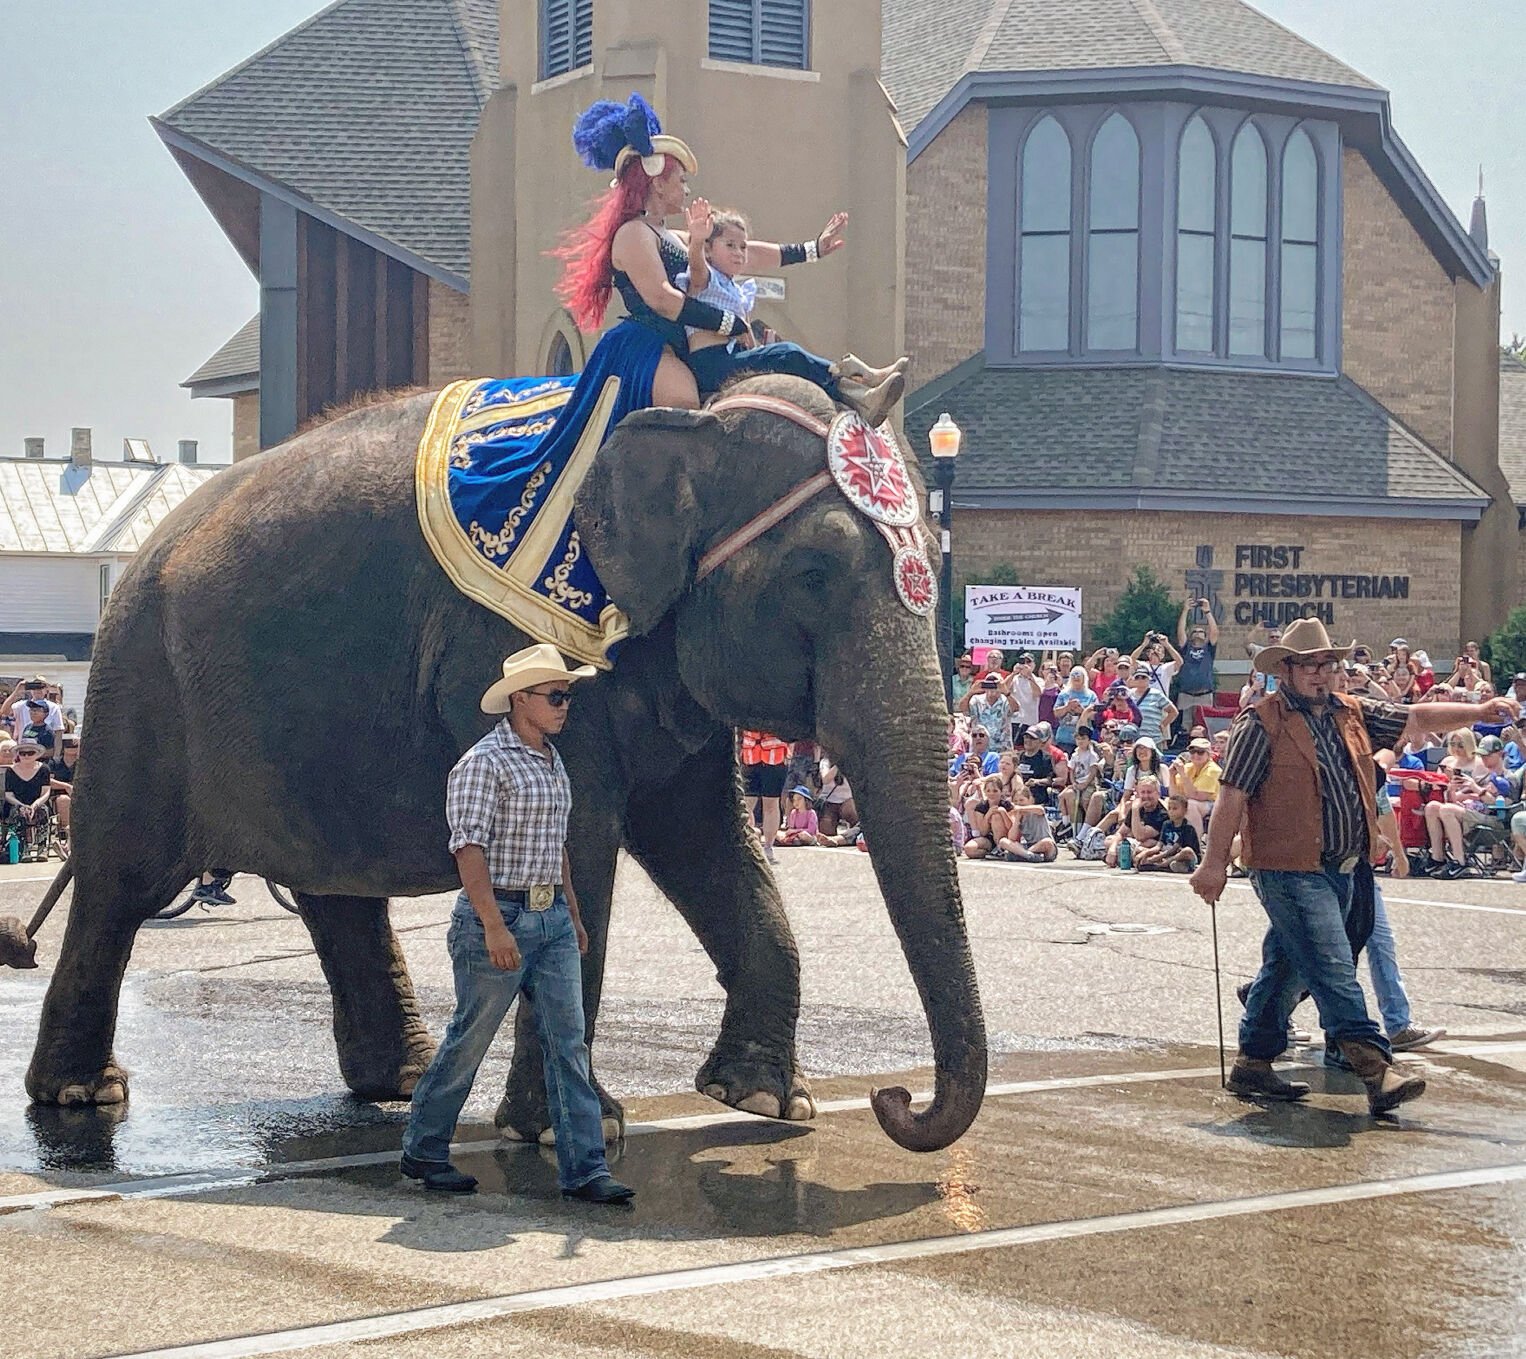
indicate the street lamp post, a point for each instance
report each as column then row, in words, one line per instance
column 944, row 439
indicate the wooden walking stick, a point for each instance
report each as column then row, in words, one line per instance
column 1218, row 992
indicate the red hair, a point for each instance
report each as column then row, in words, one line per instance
column 588, row 270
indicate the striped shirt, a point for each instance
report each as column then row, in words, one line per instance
column 1152, row 709
column 513, row 802
column 1248, row 760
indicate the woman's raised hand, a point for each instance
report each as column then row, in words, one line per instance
column 831, row 237
column 698, row 215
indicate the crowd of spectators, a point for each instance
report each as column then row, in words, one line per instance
column 39, row 747
column 1120, row 754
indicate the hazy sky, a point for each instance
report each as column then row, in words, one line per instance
column 115, row 283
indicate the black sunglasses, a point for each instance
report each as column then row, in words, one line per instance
column 557, row 698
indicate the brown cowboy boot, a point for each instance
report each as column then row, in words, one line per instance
column 1387, row 1085
column 851, row 366
column 1255, row 1079
column 873, row 404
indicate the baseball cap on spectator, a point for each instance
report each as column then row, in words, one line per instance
column 1398, row 641
column 990, row 682
column 802, row 790
column 1043, row 731
column 1199, row 743
column 1422, row 659
column 1025, row 658
column 1491, row 745
column 1147, row 741
column 1141, row 672
column 1520, row 677
column 964, row 660
column 1128, row 733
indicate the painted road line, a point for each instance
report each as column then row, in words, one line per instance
column 234, row 1177
column 781, row 1266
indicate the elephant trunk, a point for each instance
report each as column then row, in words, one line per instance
column 889, row 737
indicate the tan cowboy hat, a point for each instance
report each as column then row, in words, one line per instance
column 525, row 669
column 1306, row 637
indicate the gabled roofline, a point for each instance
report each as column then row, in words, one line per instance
column 193, row 146
column 1350, row 101
column 235, row 384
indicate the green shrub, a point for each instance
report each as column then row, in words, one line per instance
column 1145, row 606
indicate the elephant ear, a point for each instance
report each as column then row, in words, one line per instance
column 638, row 511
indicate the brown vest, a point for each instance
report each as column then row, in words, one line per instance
column 1283, row 822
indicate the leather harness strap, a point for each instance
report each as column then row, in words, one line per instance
column 726, row 548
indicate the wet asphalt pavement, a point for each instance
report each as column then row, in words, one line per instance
column 1111, row 1199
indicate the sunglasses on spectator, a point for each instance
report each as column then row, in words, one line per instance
column 557, row 698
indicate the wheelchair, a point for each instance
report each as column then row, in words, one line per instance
column 39, row 840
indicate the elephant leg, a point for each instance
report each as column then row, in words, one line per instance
column 384, row 1046
column 72, row 1062
column 730, row 899
column 593, row 840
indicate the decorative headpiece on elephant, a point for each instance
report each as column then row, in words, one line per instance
column 308, row 562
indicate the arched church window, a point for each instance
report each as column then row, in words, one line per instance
column 559, row 360
column 1044, row 214
column 1196, row 199
column 1300, row 248
column 1247, row 244
column 1112, row 246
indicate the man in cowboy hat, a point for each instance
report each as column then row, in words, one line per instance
column 1299, row 773
column 515, row 927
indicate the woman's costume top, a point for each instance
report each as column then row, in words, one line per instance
column 675, row 261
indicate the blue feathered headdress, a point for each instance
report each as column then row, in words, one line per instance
column 605, row 129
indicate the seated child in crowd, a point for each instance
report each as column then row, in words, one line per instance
column 1029, row 838
column 989, row 817
column 1085, row 775
column 801, row 824
column 717, row 254
column 1178, row 848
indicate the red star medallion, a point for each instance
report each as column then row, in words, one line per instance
column 869, row 470
column 914, row 580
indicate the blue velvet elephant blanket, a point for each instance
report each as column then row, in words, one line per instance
column 498, row 466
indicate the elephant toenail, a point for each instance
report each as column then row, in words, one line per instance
column 800, row 1108
column 547, row 1137
column 716, row 1092
column 760, row 1102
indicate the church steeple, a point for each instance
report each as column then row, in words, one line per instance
column 1478, row 225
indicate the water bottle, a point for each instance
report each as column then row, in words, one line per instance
column 1125, row 855
column 12, row 847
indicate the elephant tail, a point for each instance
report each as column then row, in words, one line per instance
column 17, row 945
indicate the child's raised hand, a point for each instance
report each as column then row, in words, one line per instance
column 831, row 237
column 698, row 213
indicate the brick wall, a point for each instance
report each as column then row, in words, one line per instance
column 246, row 425
column 1099, row 553
column 1397, row 325
column 946, row 249
column 449, row 334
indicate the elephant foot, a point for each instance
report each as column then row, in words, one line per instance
column 757, row 1087
column 379, row 1078
column 74, row 1090
column 522, row 1116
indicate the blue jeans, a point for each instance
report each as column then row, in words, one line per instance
column 1305, row 948
column 551, row 976
column 1387, row 982
column 714, row 366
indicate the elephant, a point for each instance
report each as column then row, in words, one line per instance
column 294, row 594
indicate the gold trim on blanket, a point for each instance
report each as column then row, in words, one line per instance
column 509, row 590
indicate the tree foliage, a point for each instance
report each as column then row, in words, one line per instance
column 1144, row 606
column 1505, row 650
column 1517, row 350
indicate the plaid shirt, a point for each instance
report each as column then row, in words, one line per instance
column 514, row 803
column 1248, row 760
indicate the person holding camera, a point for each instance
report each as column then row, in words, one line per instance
column 1151, row 653
column 1200, row 648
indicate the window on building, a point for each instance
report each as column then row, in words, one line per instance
column 1112, row 246
column 761, row 32
column 566, row 36
column 559, row 362
column 1300, row 248
column 1197, row 184
column 1044, row 213
column 105, row 586
column 1247, row 244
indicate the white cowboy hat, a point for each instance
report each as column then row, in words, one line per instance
column 1306, row 637
column 525, row 669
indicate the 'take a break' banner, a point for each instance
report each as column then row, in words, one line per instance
column 1037, row 617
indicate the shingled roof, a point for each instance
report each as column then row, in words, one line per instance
column 238, row 359
column 368, row 110
column 1137, row 433
column 1513, row 425
column 929, row 44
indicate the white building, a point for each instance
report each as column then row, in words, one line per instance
column 68, row 528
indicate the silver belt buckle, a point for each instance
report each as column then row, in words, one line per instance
column 540, row 896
